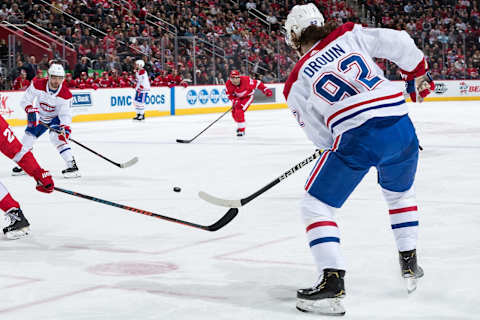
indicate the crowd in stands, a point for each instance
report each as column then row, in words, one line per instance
column 229, row 37
column 447, row 31
column 127, row 30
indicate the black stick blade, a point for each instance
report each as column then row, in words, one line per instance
column 229, row 216
column 183, row 141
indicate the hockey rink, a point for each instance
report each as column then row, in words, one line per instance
column 86, row 260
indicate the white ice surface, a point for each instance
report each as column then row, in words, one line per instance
column 86, row 260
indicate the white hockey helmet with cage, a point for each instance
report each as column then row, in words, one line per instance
column 140, row 63
column 56, row 70
column 300, row 18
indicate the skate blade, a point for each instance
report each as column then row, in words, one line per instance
column 71, row 175
column 411, row 284
column 17, row 234
column 329, row 307
column 19, row 173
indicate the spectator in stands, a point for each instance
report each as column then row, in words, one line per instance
column 21, row 82
column 15, row 15
column 15, row 72
column 30, row 68
column 33, row 62
column 43, row 64
column 476, row 58
column 3, row 48
column 80, row 67
column 219, row 79
column 4, row 12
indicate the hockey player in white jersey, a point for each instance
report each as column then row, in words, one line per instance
column 48, row 101
column 348, row 108
column 141, row 89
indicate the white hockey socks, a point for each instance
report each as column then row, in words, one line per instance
column 404, row 216
column 322, row 233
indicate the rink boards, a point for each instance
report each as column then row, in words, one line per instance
column 110, row 104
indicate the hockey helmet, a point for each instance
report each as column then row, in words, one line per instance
column 300, row 18
column 234, row 73
column 56, row 70
column 140, row 63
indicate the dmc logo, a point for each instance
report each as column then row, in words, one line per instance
column 154, row 98
column 203, row 96
column 46, row 107
column 82, row 100
column 440, row 88
column 120, row 101
column 3, row 106
column 224, row 96
column 214, row 95
column 191, row 97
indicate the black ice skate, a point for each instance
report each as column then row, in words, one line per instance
column 409, row 269
column 240, row 132
column 325, row 297
column 17, row 225
column 72, row 170
column 139, row 117
column 17, row 171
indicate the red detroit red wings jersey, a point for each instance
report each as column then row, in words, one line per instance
column 246, row 88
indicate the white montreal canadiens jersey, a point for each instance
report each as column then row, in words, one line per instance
column 336, row 85
column 143, row 84
column 49, row 104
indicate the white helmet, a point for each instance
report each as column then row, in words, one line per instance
column 140, row 63
column 56, row 70
column 299, row 18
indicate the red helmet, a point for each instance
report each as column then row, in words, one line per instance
column 234, row 73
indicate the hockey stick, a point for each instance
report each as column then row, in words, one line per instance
column 241, row 202
column 127, row 164
column 211, row 124
column 232, row 213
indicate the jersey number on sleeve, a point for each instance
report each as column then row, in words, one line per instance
column 332, row 87
column 9, row 134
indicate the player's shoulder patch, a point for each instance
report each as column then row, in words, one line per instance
column 64, row 92
column 40, row 84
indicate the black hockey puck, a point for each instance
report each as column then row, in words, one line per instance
column 177, row 189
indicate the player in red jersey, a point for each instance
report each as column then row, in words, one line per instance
column 174, row 79
column 17, row 225
column 104, row 81
column 84, row 82
column 71, row 83
column 240, row 90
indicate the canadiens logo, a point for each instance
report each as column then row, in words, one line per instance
column 4, row 109
column 46, row 107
